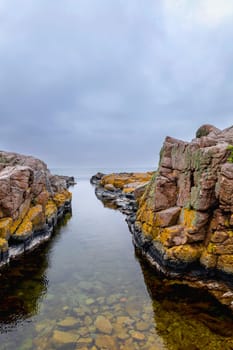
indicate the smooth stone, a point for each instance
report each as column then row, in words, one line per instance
column 88, row 320
column 142, row 326
column 83, row 331
column 137, row 335
column 105, row 342
column 64, row 337
column 120, row 332
column 103, row 325
column 90, row 301
column 68, row 322
column 112, row 299
column 124, row 320
column 84, row 341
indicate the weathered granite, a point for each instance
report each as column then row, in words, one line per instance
column 194, row 179
column 31, row 201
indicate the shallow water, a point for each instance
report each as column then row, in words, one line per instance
column 52, row 298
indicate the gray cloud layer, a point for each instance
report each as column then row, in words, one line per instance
column 101, row 83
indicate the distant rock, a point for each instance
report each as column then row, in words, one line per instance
column 95, row 179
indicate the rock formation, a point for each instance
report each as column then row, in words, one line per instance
column 182, row 219
column 119, row 190
column 31, row 200
column 185, row 216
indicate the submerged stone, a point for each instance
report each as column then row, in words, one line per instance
column 61, row 337
column 103, row 325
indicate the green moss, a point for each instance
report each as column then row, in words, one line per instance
column 230, row 157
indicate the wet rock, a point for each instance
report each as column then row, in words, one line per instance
column 64, row 338
column 105, row 342
column 110, row 187
column 90, row 301
column 95, row 179
column 27, row 190
column 103, row 325
column 142, row 326
column 88, row 320
column 82, row 342
column 124, row 320
column 68, row 322
column 120, row 331
column 137, row 335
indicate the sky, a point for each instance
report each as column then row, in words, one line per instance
column 100, row 83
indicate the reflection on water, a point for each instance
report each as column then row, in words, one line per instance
column 186, row 317
column 24, row 283
column 86, row 289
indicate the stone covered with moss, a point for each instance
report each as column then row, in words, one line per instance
column 185, row 216
column 31, row 199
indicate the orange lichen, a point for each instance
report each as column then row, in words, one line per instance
column 61, row 197
column 120, row 180
column 208, row 260
column 50, row 209
column 186, row 253
column 5, row 225
column 25, row 228
column 187, row 217
column 36, row 216
column 3, row 245
column 225, row 263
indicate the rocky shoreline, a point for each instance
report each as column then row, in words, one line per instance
column 182, row 220
column 32, row 200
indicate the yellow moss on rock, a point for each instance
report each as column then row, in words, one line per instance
column 121, row 180
column 208, row 260
column 62, row 197
column 187, row 217
column 187, row 253
column 33, row 220
column 225, row 263
column 36, row 216
column 25, row 228
column 3, row 245
column 5, row 225
column 50, row 209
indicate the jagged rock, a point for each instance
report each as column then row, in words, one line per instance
column 31, row 198
column 195, row 182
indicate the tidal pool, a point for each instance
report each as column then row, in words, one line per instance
column 87, row 288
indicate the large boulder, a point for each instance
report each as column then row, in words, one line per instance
column 29, row 195
column 187, row 209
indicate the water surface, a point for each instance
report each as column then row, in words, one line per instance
column 52, row 297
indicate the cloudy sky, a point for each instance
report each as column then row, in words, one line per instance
column 102, row 82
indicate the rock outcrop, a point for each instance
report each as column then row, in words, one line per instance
column 185, row 217
column 31, row 201
column 181, row 220
column 119, row 190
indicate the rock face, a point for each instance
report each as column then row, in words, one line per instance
column 31, row 200
column 185, row 216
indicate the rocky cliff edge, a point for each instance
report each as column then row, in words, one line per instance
column 31, row 200
column 185, row 216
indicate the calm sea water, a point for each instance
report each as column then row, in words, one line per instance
column 53, row 297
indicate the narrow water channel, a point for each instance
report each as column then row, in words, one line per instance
column 53, row 297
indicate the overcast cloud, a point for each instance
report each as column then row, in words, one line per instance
column 102, row 82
